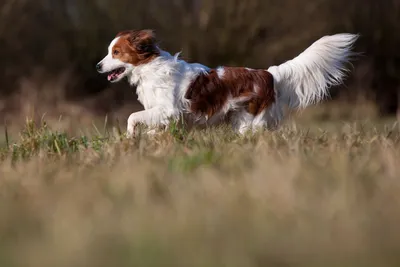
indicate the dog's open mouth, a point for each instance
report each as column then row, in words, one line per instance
column 115, row 74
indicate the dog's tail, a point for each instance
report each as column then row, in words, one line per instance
column 305, row 80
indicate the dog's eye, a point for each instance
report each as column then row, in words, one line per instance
column 115, row 52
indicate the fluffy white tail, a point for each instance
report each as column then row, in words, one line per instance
column 305, row 80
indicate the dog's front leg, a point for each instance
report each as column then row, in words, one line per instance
column 151, row 117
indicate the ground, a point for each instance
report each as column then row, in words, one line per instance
column 318, row 192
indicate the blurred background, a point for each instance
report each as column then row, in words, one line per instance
column 49, row 48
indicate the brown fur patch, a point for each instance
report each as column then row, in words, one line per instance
column 208, row 93
column 135, row 47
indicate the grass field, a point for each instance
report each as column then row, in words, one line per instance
column 323, row 193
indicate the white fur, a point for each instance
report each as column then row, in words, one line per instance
column 221, row 72
column 161, row 87
column 304, row 80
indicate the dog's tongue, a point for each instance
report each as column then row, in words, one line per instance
column 111, row 76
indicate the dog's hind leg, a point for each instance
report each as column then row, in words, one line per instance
column 241, row 121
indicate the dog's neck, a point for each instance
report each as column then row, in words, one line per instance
column 159, row 66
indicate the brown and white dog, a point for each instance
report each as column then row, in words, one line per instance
column 248, row 99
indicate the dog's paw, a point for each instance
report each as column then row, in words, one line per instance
column 132, row 131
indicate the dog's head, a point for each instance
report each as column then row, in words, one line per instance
column 128, row 50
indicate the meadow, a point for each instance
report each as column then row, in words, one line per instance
column 321, row 191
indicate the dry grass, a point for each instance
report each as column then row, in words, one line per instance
column 326, row 195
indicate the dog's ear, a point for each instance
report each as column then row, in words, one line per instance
column 147, row 34
column 136, row 37
column 145, row 41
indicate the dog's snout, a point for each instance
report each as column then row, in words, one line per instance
column 99, row 66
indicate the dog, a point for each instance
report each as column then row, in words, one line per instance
column 248, row 99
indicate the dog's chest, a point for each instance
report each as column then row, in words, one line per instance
column 146, row 96
column 150, row 95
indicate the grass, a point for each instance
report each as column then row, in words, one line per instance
column 319, row 195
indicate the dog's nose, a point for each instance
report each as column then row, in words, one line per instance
column 99, row 66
